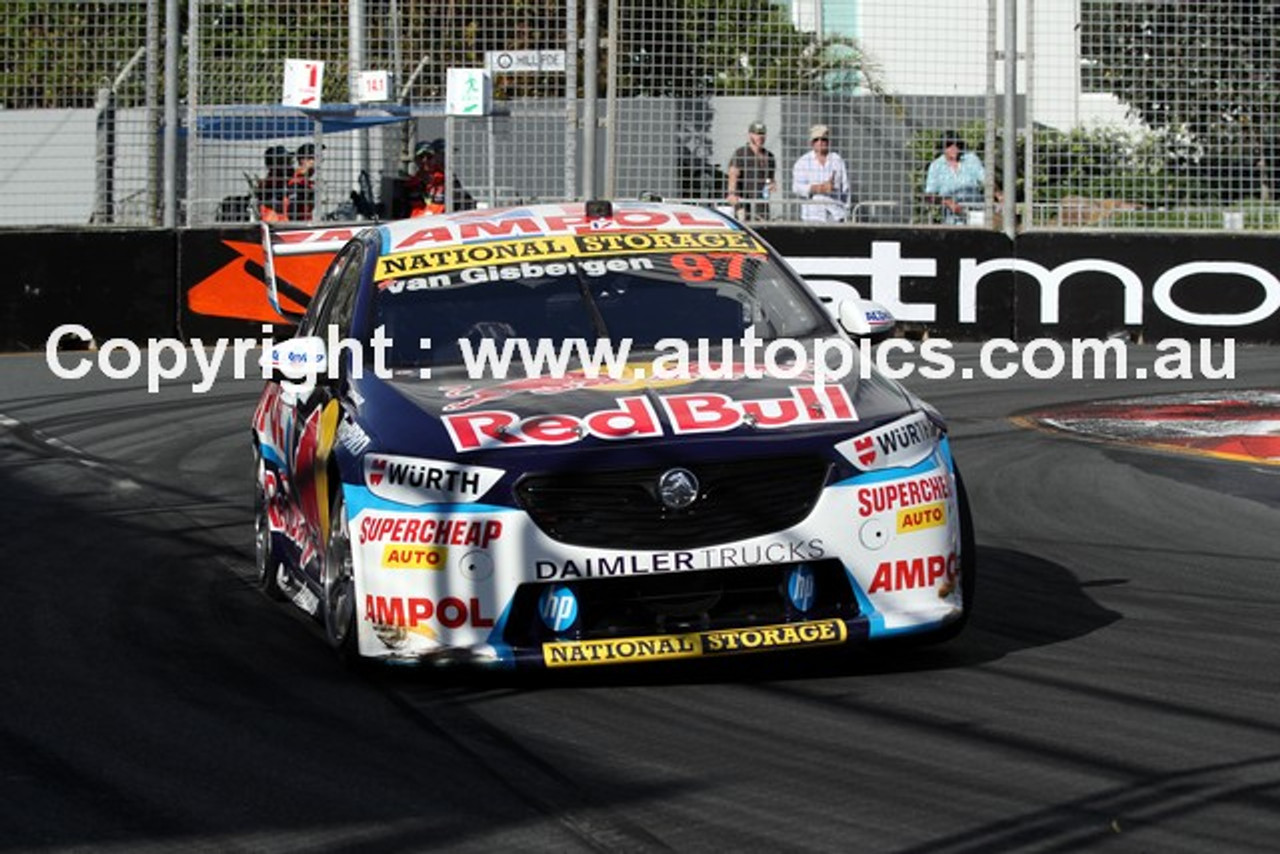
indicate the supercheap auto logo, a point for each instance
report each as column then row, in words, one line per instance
column 429, row 530
column 414, row 557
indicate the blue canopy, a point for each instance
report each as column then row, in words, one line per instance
column 279, row 122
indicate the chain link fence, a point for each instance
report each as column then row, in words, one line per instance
column 78, row 120
column 1123, row 114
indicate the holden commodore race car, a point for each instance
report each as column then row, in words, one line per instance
column 437, row 481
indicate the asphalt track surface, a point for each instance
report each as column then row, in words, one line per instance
column 1116, row 690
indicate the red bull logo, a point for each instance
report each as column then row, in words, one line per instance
column 634, row 418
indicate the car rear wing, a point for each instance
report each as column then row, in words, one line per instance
column 291, row 240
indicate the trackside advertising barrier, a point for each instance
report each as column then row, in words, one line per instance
column 117, row 283
column 956, row 283
column 979, row 285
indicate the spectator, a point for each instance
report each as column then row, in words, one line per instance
column 752, row 168
column 272, row 190
column 955, row 180
column 821, row 175
column 302, row 186
column 425, row 188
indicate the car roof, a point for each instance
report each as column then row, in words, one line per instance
column 548, row 220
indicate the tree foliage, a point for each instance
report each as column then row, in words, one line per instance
column 61, row 54
column 1206, row 74
column 731, row 47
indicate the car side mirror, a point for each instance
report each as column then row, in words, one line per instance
column 863, row 318
column 297, row 362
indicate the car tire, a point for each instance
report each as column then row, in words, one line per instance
column 338, row 599
column 266, row 561
column 968, row 568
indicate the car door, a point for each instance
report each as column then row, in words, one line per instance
column 313, row 412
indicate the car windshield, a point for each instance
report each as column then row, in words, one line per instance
column 640, row 298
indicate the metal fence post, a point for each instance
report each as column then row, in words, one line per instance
column 1010, row 182
column 590, row 92
column 355, row 64
column 170, row 145
column 104, row 156
column 611, row 105
column 153, row 153
column 1029, row 132
column 571, row 99
column 989, row 132
column 171, row 108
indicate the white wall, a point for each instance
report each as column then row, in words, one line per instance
column 46, row 166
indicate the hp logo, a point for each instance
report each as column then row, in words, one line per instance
column 800, row 587
column 558, row 608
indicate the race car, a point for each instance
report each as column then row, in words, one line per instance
column 597, row 433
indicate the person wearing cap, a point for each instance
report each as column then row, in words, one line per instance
column 302, row 187
column 821, row 176
column 272, row 190
column 955, row 180
column 752, row 168
column 425, row 188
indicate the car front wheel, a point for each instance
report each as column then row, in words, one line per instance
column 339, row 584
column 968, row 567
column 267, row 562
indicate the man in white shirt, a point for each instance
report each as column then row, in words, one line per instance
column 821, row 175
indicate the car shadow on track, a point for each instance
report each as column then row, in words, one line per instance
column 1022, row 601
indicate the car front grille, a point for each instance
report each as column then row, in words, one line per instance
column 672, row 603
column 621, row 509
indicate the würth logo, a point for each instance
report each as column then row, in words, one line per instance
column 408, row 480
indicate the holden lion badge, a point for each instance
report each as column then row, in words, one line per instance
column 677, row 488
